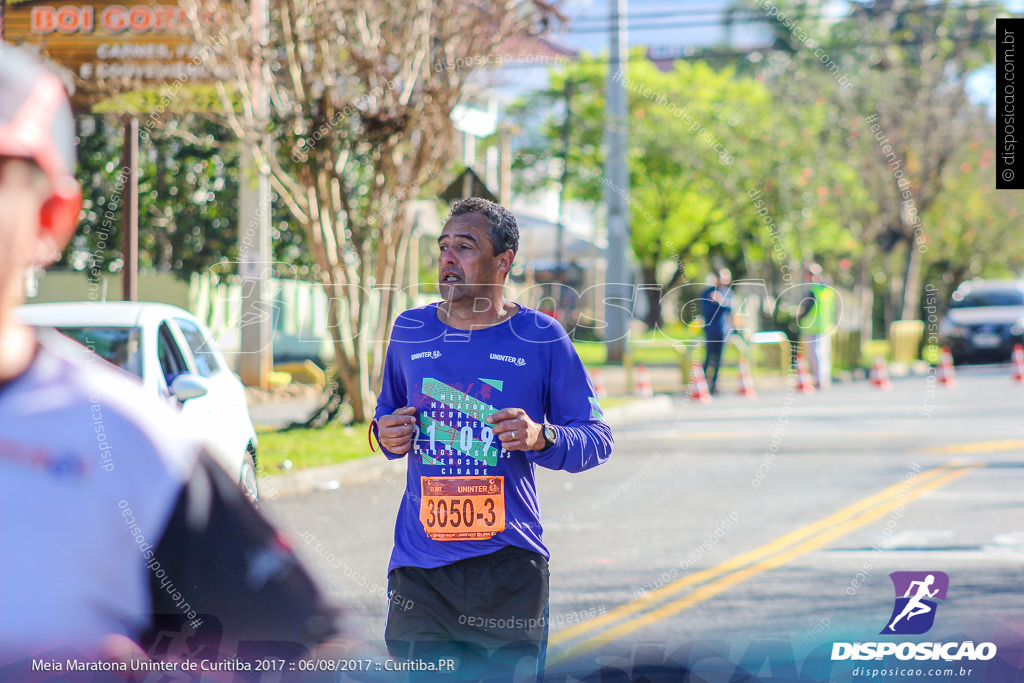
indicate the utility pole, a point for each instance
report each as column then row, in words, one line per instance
column 618, row 291
column 565, row 176
column 256, row 357
column 130, row 209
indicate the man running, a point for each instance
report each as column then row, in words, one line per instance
column 478, row 391
column 914, row 606
column 118, row 530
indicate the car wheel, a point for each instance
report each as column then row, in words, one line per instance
column 248, row 480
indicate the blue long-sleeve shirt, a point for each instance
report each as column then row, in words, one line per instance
column 717, row 316
column 455, row 379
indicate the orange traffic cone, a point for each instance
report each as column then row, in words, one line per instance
column 1018, row 363
column 699, row 384
column 947, row 376
column 803, row 375
column 598, row 381
column 880, row 374
column 746, row 381
column 642, row 385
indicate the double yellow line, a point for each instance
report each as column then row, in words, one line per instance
column 663, row 603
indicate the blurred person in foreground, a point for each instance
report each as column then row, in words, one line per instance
column 817, row 323
column 478, row 392
column 716, row 305
column 119, row 531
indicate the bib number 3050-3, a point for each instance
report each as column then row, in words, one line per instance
column 462, row 508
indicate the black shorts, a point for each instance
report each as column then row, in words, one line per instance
column 487, row 612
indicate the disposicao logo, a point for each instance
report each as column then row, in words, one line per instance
column 916, row 593
column 913, row 614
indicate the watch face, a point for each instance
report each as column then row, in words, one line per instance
column 550, row 434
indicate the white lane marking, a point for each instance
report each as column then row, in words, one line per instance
column 983, row 496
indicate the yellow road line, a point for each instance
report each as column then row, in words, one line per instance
column 843, row 522
column 652, row 598
column 979, row 447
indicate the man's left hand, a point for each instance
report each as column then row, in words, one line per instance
column 517, row 431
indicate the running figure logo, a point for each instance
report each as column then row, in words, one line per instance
column 914, row 612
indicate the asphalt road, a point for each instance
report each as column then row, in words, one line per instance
column 778, row 517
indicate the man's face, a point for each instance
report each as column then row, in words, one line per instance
column 22, row 194
column 466, row 265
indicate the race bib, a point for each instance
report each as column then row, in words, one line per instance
column 462, row 508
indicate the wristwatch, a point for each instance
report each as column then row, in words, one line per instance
column 550, row 436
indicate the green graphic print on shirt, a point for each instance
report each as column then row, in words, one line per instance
column 454, row 420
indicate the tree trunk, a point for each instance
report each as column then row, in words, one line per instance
column 911, row 299
column 351, row 378
column 652, row 291
column 866, row 285
column 355, row 372
column 346, row 367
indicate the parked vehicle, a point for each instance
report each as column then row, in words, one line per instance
column 984, row 321
column 174, row 356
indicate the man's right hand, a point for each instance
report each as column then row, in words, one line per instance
column 395, row 431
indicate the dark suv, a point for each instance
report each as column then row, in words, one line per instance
column 984, row 321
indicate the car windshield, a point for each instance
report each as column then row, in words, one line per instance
column 990, row 297
column 118, row 345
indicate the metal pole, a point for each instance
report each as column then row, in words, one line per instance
column 255, row 362
column 618, row 291
column 565, row 177
column 130, row 209
column 505, row 135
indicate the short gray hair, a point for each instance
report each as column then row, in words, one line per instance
column 502, row 229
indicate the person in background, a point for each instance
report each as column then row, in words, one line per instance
column 716, row 305
column 817, row 322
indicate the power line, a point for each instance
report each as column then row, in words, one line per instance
column 832, row 49
column 753, row 15
column 660, row 13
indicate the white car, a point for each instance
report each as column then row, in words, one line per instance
column 175, row 357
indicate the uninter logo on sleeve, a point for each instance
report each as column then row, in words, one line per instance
column 515, row 360
column 425, row 354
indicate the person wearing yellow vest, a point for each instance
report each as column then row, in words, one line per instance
column 817, row 323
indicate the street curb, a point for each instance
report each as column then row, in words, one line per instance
column 641, row 408
column 376, row 466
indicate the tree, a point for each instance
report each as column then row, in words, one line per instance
column 361, row 99
column 975, row 228
column 895, row 73
column 188, row 198
column 701, row 143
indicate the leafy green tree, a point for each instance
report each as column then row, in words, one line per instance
column 704, row 146
column 974, row 229
column 360, row 99
column 188, row 200
column 895, row 75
